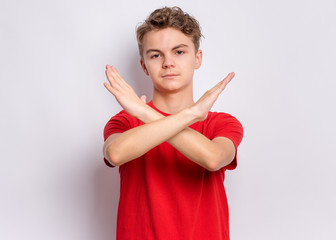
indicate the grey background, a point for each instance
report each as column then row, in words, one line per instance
column 53, row 107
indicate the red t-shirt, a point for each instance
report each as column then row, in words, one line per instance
column 164, row 195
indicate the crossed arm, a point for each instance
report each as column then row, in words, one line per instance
column 120, row 148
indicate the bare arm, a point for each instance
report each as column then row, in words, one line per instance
column 211, row 154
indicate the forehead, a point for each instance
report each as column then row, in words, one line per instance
column 166, row 39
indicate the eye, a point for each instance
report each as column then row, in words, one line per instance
column 155, row 55
column 179, row 52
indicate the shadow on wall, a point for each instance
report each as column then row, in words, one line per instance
column 140, row 82
column 106, row 200
column 107, row 180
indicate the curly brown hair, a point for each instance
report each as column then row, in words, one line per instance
column 173, row 17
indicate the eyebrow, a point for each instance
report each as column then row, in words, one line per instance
column 179, row 46
column 174, row 48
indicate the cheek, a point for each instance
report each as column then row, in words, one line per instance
column 192, row 65
column 189, row 62
column 153, row 67
column 151, row 72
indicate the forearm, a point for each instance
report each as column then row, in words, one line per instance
column 121, row 148
column 203, row 151
column 196, row 146
column 137, row 141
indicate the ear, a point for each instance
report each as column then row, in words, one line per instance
column 144, row 68
column 199, row 57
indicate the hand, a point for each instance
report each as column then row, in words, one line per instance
column 123, row 92
column 204, row 104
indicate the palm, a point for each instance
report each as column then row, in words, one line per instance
column 205, row 103
column 123, row 92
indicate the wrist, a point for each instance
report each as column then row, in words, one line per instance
column 196, row 114
column 191, row 114
column 148, row 114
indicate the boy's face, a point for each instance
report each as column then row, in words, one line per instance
column 169, row 59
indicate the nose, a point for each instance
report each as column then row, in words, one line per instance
column 168, row 62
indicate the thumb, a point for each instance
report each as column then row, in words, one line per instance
column 143, row 98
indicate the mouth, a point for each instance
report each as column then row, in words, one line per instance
column 170, row 76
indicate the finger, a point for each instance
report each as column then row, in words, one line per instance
column 113, row 79
column 219, row 87
column 116, row 75
column 109, row 87
column 229, row 77
column 226, row 80
column 115, row 72
column 113, row 86
column 109, row 75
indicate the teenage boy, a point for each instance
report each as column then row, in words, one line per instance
column 172, row 152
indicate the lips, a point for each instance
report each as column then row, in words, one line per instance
column 170, row 75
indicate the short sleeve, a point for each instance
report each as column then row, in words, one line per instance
column 119, row 123
column 225, row 125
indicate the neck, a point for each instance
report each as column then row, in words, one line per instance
column 173, row 102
